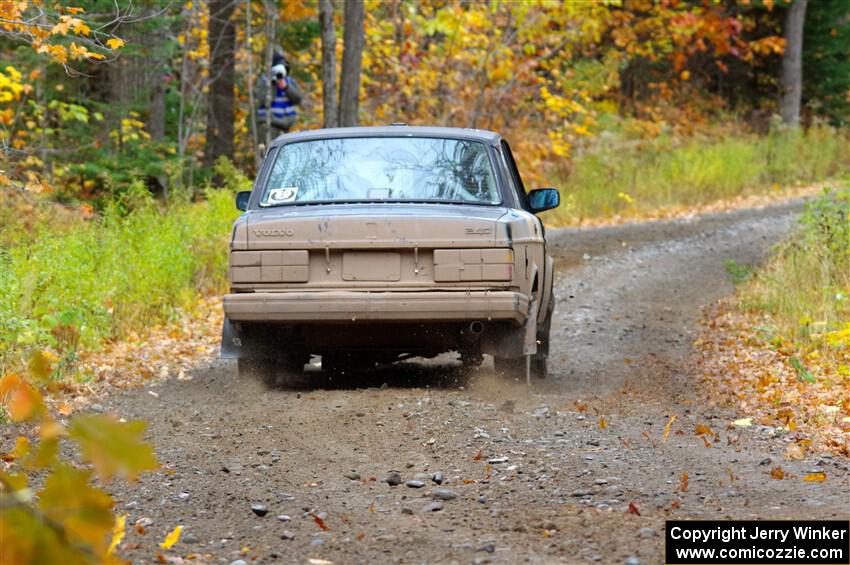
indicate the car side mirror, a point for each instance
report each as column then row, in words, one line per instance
column 242, row 198
column 543, row 199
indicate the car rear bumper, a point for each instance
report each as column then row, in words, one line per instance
column 351, row 306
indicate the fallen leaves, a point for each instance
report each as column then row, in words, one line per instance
column 172, row 538
column 766, row 378
column 320, row 523
column 777, row 473
column 668, row 426
column 157, row 353
column 634, row 509
column 118, row 530
column 683, row 482
column 818, row 477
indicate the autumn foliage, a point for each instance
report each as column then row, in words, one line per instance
column 49, row 510
column 780, row 352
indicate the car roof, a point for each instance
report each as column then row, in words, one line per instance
column 400, row 130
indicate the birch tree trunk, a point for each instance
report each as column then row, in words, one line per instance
column 792, row 64
column 352, row 56
column 328, row 31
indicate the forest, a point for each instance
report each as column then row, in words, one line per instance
column 127, row 127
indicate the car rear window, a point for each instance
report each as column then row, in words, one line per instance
column 395, row 169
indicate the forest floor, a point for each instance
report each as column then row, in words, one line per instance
column 583, row 467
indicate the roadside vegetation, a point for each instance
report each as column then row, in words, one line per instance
column 780, row 350
column 639, row 178
column 72, row 281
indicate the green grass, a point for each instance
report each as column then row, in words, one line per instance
column 618, row 178
column 72, row 287
column 805, row 288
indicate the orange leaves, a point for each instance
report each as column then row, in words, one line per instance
column 46, row 28
column 21, row 399
column 634, row 509
column 818, row 477
column 777, row 473
column 683, row 481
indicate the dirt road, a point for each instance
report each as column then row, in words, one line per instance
column 543, row 474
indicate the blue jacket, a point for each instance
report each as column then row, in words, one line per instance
column 283, row 101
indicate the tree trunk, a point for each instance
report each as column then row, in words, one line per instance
column 157, row 119
column 792, row 64
column 326, row 22
column 352, row 56
column 222, row 37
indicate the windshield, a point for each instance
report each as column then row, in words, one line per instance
column 381, row 169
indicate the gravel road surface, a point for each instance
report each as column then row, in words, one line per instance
column 545, row 474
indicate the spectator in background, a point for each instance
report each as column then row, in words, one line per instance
column 284, row 94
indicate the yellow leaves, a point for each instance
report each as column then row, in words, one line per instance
column 70, row 24
column 22, row 447
column 171, row 538
column 777, row 473
column 11, row 86
column 84, row 511
column 113, row 447
column 80, row 52
column 815, row 477
column 56, row 52
column 41, row 364
column 603, row 423
column 625, row 197
column 115, row 43
column 118, row 531
column 839, row 338
column 667, row 427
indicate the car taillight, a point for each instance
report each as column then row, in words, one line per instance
column 269, row 266
column 454, row 265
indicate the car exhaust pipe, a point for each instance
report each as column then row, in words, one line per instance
column 476, row 327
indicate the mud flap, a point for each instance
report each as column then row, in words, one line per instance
column 529, row 345
column 529, row 342
column 231, row 341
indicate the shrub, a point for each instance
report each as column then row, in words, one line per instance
column 98, row 279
